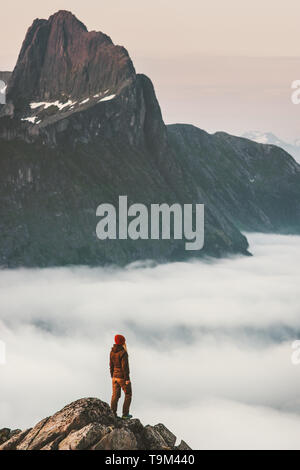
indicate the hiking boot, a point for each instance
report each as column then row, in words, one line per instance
column 127, row 416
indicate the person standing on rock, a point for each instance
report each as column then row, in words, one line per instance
column 119, row 371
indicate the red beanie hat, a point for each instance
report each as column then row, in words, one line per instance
column 119, row 339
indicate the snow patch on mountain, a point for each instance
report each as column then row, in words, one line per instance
column 30, row 119
column 84, row 101
column 108, row 98
column 47, row 104
column 270, row 139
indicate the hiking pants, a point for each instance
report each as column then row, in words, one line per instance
column 117, row 385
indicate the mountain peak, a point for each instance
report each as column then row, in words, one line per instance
column 61, row 59
column 67, row 18
column 89, row 424
column 63, row 14
column 271, row 139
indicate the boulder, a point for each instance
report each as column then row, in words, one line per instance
column 118, row 439
column 4, row 435
column 153, row 439
column 183, row 446
column 84, row 438
column 71, row 418
column 167, row 435
column 11, row 444
column 89, row 424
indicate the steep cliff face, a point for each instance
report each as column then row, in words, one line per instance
column 80, row 128
column 89, row 424
column 72, row 85
column 5, row 76
column 60, row 59
column 257, row 186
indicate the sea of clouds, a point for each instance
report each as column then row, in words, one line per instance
column 209, row 344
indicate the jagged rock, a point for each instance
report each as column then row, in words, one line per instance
column 7, row 433
column 89, row 424
column 53, row 445
column 133, row 425
column 14, row 432
column 4, row 435
column 12, row 443
column 183, row 446
column 59, row 58
column 72, row 417
column 84, row 438
column 154, row 439
column 136, row 427
column 118, row 439
column 167, row 435
column 27, row 443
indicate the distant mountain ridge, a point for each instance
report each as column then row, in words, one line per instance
column 271, row 139
column 80, row 128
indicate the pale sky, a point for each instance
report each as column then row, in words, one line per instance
column 219, row 65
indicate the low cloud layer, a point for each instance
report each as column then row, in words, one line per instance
column 209, row 343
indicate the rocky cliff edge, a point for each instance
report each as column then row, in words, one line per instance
column 89, row 424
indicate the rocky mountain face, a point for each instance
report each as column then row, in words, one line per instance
column 5, row 76
column 256, row 185
column 271, row 139
column 89, row 424
column 60, row 58
column 81, row 128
